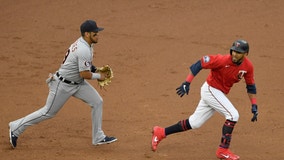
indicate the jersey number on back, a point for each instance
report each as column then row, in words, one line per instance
column 73, row 47
column 66, row 55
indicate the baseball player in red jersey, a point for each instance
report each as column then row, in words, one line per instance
column 225, row 71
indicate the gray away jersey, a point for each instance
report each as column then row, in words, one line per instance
column 78, row 58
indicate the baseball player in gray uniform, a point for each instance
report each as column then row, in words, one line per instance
column 70, row 80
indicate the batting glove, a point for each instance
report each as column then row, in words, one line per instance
column 254, row 112
column 184, row 88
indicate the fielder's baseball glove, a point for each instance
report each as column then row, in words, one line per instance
column 106, row 69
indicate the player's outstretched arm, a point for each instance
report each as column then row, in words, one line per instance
column 185, row 86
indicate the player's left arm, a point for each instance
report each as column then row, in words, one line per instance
column 251, row 90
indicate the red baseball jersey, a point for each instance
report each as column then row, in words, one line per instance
column 224, row 73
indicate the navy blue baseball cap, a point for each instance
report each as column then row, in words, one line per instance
column 90, row 26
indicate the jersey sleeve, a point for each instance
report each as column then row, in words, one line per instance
column 211, row 61
column 249, row 77
column 84, row 59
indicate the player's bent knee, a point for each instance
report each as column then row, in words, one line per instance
column 96, row 103
column 234, row 117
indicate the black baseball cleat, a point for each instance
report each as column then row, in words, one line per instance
column 13, row 139
column 107, row 140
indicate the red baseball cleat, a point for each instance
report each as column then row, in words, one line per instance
column 226, row 154
column 158, row 135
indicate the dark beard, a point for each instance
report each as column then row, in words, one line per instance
column 238, row 62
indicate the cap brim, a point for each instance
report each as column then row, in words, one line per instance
column 99, row 29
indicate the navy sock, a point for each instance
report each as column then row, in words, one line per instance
column 181, row 126
column 227, row 131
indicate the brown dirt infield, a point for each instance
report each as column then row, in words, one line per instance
column 150, row 44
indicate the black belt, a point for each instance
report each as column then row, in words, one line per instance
column 65, row 80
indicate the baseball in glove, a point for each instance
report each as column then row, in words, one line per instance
column 106, row 69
